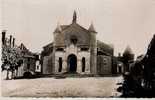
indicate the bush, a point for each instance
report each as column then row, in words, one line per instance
column 27, row 75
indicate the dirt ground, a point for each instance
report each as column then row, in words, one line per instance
column 67, row 87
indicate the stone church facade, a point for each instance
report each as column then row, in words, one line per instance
column 75, row 49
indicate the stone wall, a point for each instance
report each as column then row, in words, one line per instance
column 48, row 64
column 104, row 64
column 45, row 65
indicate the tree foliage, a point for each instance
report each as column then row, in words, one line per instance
column 11, row 58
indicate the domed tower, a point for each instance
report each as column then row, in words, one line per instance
column 128, row 57
column 93, row 49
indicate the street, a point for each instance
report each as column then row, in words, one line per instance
column 67, row 87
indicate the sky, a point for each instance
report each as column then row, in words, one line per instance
column 118, row 22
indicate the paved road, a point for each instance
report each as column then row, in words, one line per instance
column 68, row 87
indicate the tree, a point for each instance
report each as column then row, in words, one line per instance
column 11, row 59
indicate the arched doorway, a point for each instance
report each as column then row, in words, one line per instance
column 72, row 63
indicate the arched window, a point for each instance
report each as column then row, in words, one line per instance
column 73, row 39
column 83, row 64
column 60, row 64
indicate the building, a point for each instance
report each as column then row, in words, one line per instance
column 29, row 61
column 75, row 49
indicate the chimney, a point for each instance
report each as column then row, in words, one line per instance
column 10, row 40
column 13, row 43
column 3, row 37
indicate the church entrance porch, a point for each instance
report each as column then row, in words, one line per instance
column 72, row 63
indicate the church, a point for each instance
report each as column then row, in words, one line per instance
column 75, row 49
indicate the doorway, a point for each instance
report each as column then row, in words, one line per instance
column 72, row 63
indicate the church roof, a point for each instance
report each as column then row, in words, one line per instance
column 65, row 27
column 48, row 45
column 104, row 47
column 26, row 51
column 79, row 27
column 61, row 28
